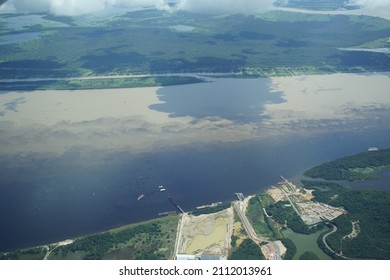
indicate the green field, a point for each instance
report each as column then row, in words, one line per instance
column 257, row 218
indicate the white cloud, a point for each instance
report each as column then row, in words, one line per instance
column 372, row 4
column 75, row 7
column 226, row 6
column 79, row 7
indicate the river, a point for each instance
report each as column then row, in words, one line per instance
column 75, row 162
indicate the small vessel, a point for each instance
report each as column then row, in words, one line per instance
column 141, row 197
column 161, row 187
column 162, row 190
column 168, row 213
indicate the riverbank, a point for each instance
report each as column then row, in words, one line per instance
column 120, row 81
column 153, row 239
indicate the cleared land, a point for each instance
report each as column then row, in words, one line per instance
column 207, row 234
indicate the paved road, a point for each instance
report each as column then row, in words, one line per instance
column 249, row 229
column 178, row 235
column 247, row 226
column 327, row 246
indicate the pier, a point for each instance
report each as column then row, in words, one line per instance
column 240, row 196
column 176, row 205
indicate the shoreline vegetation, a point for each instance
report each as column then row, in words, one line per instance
column 107, row 82
column 360, row 233
column 116, row 81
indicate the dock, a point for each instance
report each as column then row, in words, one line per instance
column 176, row 205
column 240, row 196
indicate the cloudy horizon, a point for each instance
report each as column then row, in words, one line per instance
column 81, row 7
column 371, row 4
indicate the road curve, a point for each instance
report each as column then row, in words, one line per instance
column 326, row 244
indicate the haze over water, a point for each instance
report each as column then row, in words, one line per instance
column 74, row 162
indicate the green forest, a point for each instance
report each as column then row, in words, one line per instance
column 363, row 166
column 152, row 41
column 152, row 240
column 370, row 208
column 248, row 250
column 284, row 214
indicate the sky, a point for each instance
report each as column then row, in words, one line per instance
column 371, row 3
column 79, row 7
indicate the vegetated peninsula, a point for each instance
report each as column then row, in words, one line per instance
column 363, row 166
column 363, row 231
column 336, row 221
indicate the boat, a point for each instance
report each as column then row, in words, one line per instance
column 162, row 190
column 212, row 205
column 161, row 187
column 141, row 197
column 168, row 213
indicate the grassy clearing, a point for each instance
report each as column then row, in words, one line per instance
column 379, row 43
column 256, row 216
column 366, row 172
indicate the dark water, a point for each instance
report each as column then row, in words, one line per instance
column 53, row 200
column 382, row 181
column 45, row 198
column 19, row 37
column 241, row 101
